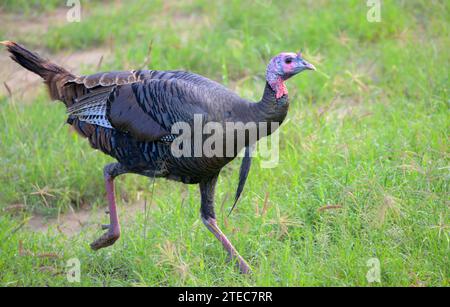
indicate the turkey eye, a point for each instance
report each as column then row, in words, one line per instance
column 288, row 61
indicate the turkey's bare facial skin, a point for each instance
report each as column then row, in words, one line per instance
column 211, row 224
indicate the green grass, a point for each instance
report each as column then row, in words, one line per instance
column 368, row 132
column 30, row 7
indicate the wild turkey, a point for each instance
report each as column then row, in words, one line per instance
column 129, row 115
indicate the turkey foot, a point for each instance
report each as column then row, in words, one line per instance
column 107, row 239
column 233, row 254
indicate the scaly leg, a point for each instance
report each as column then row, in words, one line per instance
column 208, row 217
column 108, row 238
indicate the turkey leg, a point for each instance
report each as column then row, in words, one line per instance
column 208, row 217
column 108, row 238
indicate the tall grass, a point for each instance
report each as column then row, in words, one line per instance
column 367, row 133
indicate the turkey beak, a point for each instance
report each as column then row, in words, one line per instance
column 304, row 65
column 308, row 66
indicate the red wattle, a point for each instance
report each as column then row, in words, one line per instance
column 281, row 90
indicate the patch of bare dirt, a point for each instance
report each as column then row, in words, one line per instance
column 72, row 223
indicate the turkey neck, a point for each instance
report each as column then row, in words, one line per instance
column 270, row 109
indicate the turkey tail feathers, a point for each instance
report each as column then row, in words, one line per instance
column 53, row 74
column 32, row 61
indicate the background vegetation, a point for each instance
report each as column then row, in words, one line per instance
column 367, row 135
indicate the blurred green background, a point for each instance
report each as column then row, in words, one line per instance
column 363, row 170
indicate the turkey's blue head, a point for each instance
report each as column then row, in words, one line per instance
column 282, row 67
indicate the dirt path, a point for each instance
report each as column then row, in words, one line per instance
column 85, row 219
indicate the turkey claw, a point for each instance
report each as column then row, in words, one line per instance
column 107, row 239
